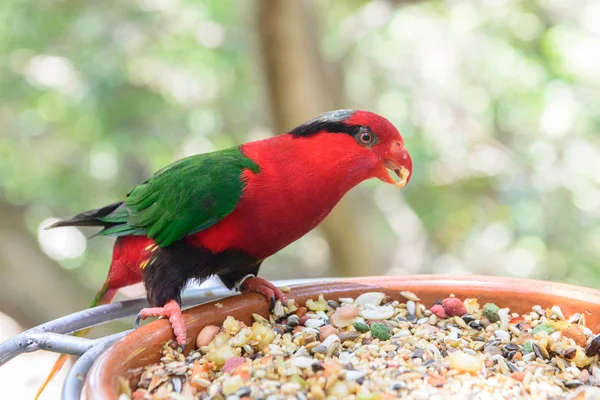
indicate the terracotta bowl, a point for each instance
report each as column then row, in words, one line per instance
column 130, row 355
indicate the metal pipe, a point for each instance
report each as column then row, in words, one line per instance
column 75, row 379
column 31, row 341
column 57, row 343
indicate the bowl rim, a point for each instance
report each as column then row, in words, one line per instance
column 101, row 381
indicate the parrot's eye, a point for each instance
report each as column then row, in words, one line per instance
column 366, row 137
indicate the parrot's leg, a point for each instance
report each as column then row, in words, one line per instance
column 172, row 311
column 251, row 283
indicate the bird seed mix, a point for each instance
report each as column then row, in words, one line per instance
column 376, row 348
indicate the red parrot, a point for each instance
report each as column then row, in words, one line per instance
column 223, row 213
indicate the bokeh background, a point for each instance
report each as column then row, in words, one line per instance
column 498, row 101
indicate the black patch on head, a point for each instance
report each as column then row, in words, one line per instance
column 312, row 128
column 332, row 121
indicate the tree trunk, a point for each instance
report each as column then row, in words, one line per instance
column 300, row 89
column 33, row 289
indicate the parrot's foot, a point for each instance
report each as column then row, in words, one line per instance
column 172, row 311
column 251, row 283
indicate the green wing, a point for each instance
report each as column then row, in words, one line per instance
column 183, row 198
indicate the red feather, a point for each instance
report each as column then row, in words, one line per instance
column 300, row 181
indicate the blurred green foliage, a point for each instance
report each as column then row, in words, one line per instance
column 498, row 100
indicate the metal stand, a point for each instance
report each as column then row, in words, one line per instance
column 55, row 335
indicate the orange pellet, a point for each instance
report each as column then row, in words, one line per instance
column 517, row 357
column 138, row 395
column 518, row 375
column 301, row 312
column 576, row 333
column 243, row 371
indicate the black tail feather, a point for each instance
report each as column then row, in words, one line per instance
column 88, row 218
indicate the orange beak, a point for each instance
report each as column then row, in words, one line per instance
column 398, row 160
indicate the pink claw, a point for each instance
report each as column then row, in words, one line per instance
column 265, row 288
column 172, row 311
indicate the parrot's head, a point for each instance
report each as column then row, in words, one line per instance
column 374, row 139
